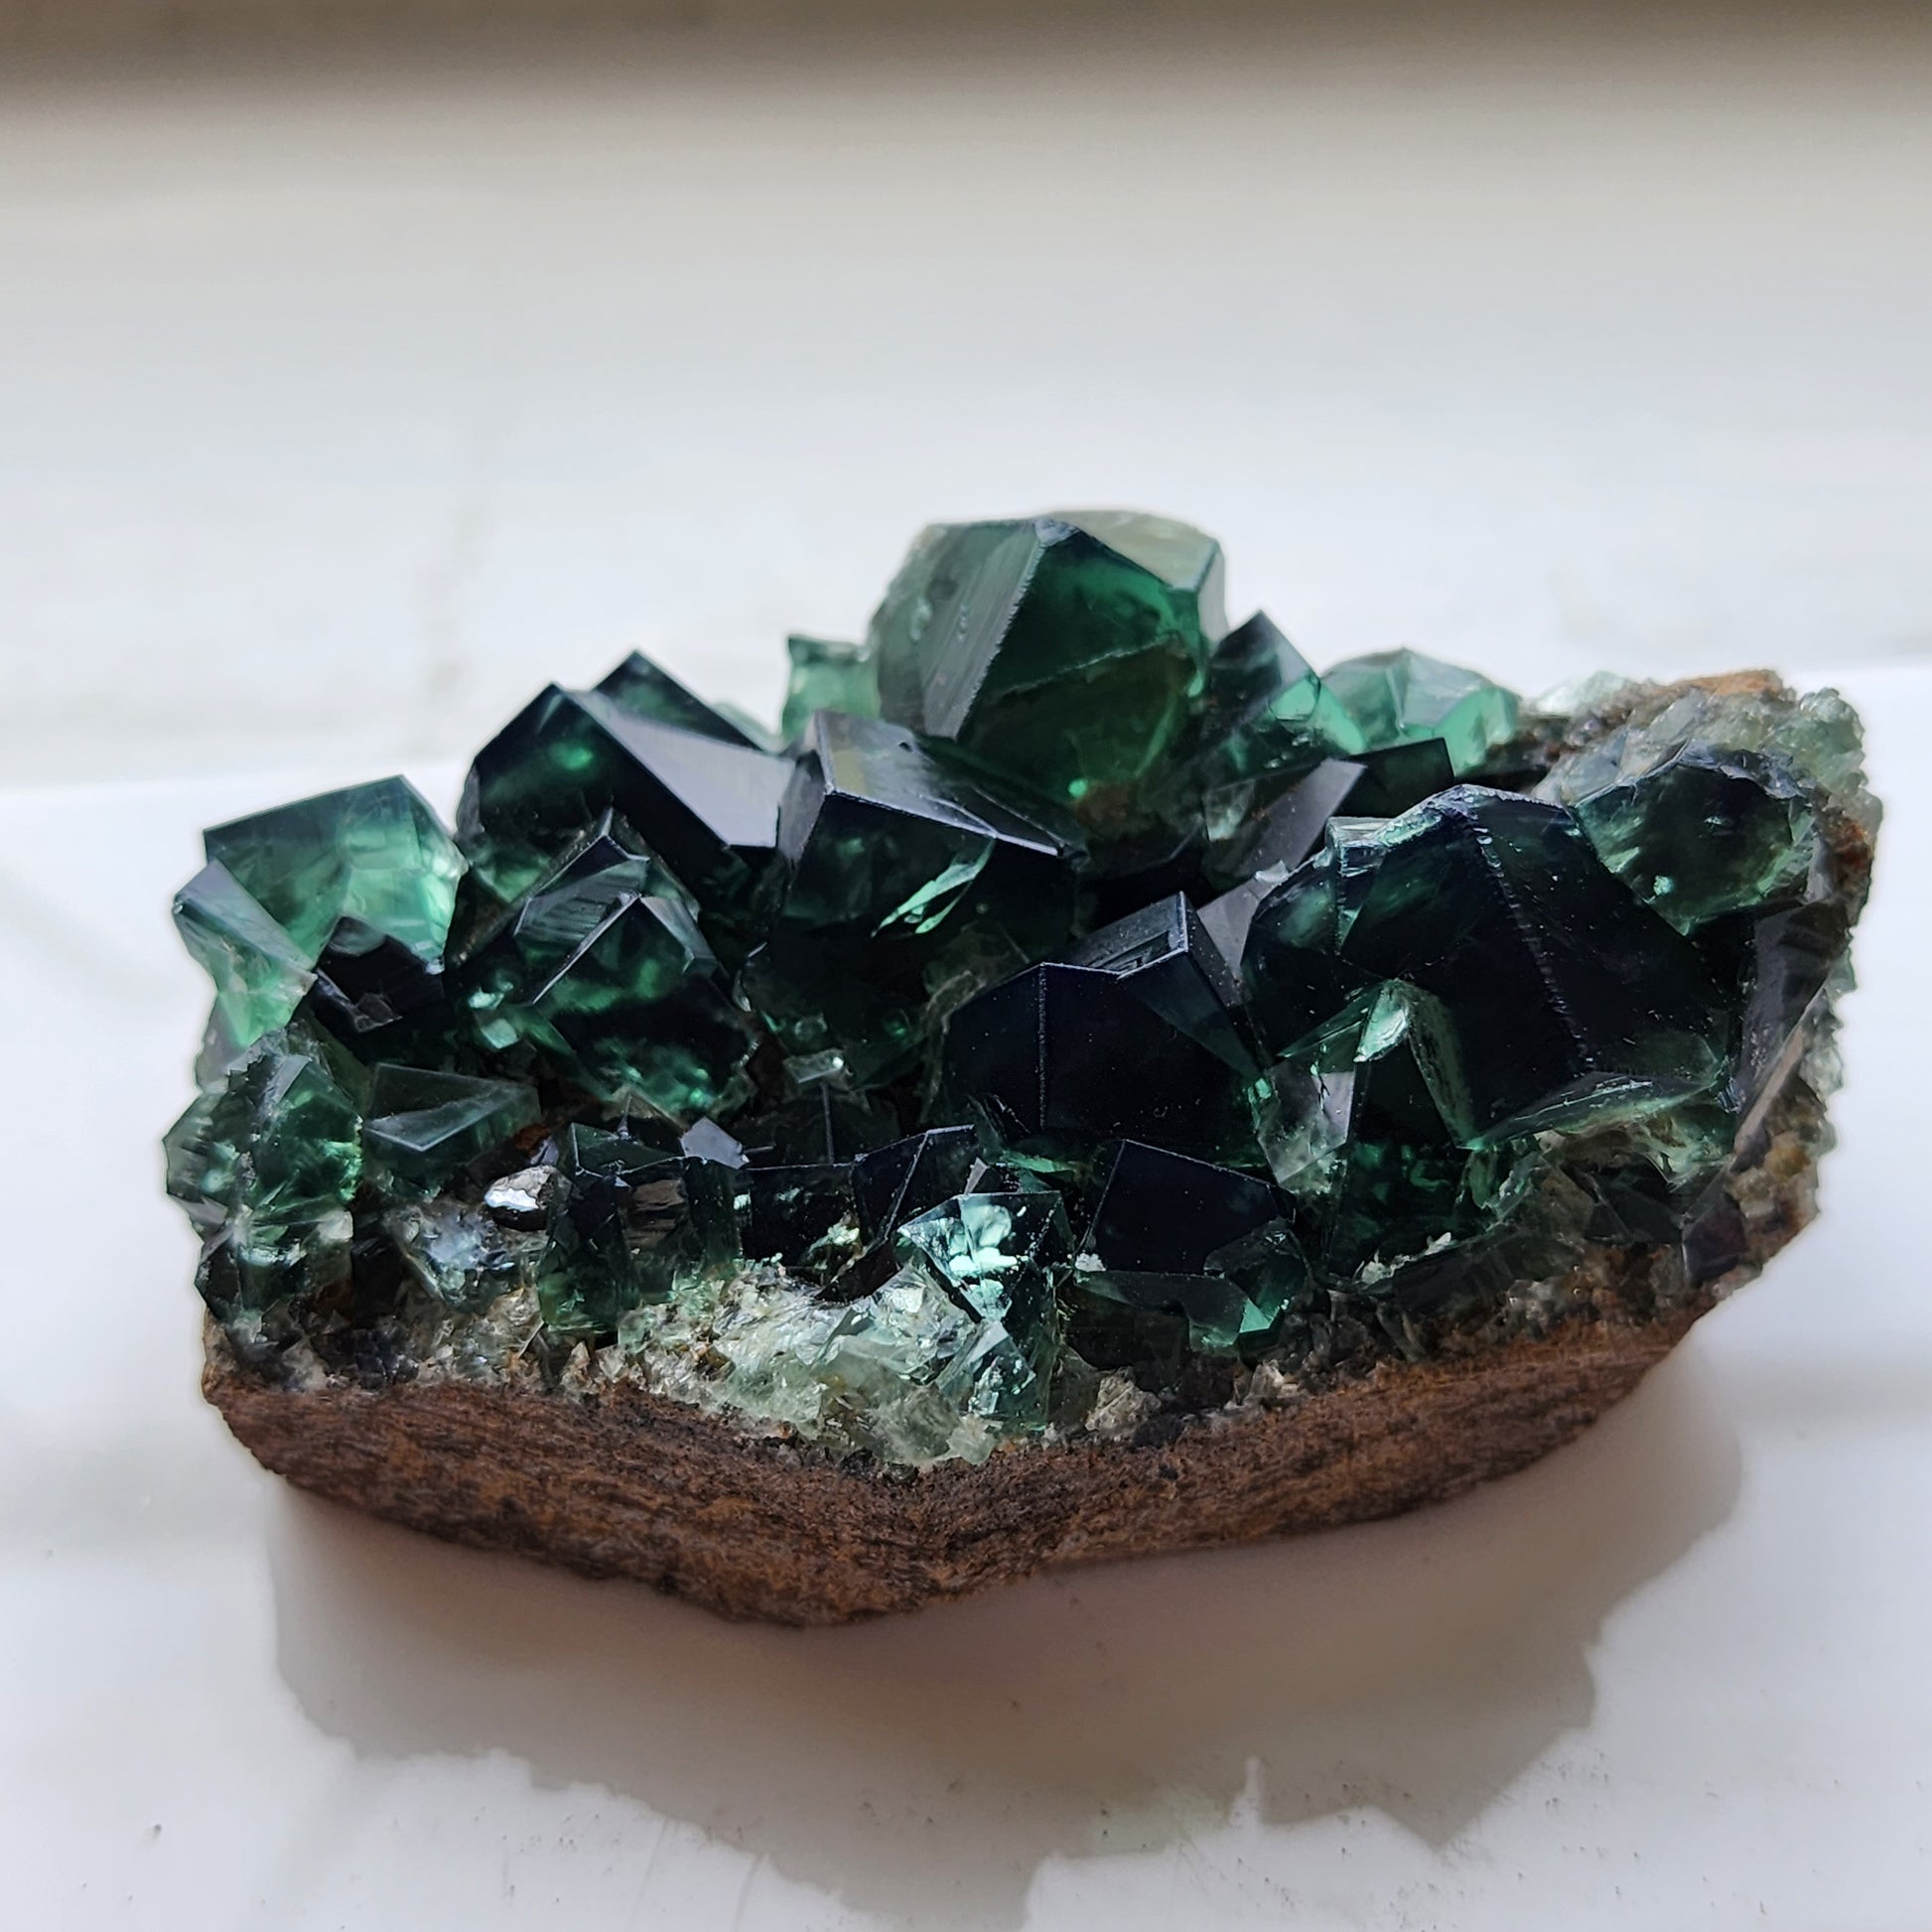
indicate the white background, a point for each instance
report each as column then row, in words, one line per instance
column 347, row 393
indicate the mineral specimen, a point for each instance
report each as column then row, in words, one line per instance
column 1092, row 1018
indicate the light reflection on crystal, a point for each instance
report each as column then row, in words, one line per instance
column 1092, row 1014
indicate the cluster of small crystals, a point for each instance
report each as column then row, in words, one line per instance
column 1082, row 1009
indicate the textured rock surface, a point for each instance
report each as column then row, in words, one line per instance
column 1088, row 1026
column 615, row 1481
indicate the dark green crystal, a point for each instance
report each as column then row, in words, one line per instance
column 1074, row 1019
column 645, row 690
column 260, row 974
column 898, row 871
column 1182, row 1251
column 603, row 972
column 1067, row 650
column 1354, row 1127
column 1269, row 717
column 1704, row 833
column 266, row 1166
column 1400, row 697
column 827, row 676
column 629, row 1225
column 375, row 854
column 709, row 809
column 424, row 1127
column 1000, row 1257
column 1567, row 999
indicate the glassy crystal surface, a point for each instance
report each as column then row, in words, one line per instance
column 1075, row 1018
column 708, row 808
column 1067, row 650
column 604, row 974
column 1071, row 1055
column 827, row 676
column 895, row 867
column 1269, row 717
column 260, row 974
column 1704, row 833
column 1400, row 697
column 424, row 1125
column 1162, row 955
column 630, row 1224
column 460, row 1254
column 648, row 691
column 266, row 1166
column 1565, row 996
column 1001, row 1258
column 375, row 854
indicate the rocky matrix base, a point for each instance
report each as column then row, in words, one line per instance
column 1089, row 1086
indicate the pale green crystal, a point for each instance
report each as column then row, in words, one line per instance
column 375, row 853
column 1399, row 696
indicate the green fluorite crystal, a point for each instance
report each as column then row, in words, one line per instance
column 365, row 867
column 457, row 1252
column 423, row 1127
column 266, row 1166
column 1757, row 834
column 1268, row 715
column 260, row 974
column 1000, row 1257
column 1076, row 1013
column 603, row 975
column 375, row 854
column 900, row 873
column 827, row 676
column 1400, row 697
column 630, row 1225
column 708, row 805
column 1070, row 650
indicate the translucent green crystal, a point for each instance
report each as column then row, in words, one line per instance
column 630, row 1225
column 1000, row 1257
column 266, row 1166
column 1269, row 716
column 1070, row 652
column 1086, row 1019
column 1565, row 999
column 898, row 869
column 603, row 972
column 645, row 690
column 827, row 676
column 709, row 809
column 457, row 1252
column 1704, row 833
column 375, row 854
column 1398, row 697
column 1354, row 1123
column 1180, row 1253
column 423, row 1127
column 260, row 974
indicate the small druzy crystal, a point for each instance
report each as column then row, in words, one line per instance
column 1079, row 1009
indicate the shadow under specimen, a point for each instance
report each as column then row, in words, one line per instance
column 924, row 1766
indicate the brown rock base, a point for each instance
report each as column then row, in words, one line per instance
column 633, row 1485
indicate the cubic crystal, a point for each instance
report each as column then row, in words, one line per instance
column 1068, row 650
column 1078, row 1019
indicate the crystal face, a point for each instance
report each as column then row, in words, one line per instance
column 1070, row 652
column 1075, row 1010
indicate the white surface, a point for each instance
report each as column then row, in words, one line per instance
column 340, row 404
column 1674, row 1676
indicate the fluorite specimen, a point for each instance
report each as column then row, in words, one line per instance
column 1087, row 1013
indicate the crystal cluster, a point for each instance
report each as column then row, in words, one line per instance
column 1083, row 1009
